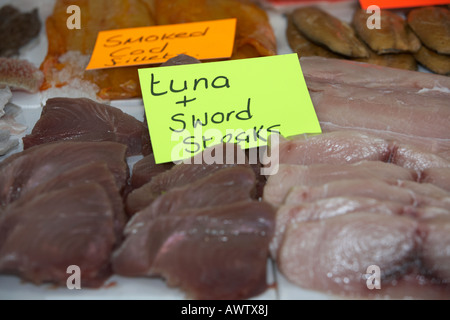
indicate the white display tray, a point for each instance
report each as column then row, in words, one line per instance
column 12, row 287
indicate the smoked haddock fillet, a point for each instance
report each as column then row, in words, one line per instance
column 69, row 50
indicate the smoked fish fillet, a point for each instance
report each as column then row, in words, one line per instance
column 324, row 29
column 66, row 48
column 394, row 35
column 254, row 35
column 432, row 26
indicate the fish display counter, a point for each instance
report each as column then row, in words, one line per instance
column 360, row 210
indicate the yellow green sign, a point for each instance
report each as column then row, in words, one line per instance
column 192, row 107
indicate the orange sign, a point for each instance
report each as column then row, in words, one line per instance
column 391, row 4
column 152, row 45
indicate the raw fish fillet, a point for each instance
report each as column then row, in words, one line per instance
column 67, row 119
column 17, row 29
column 432, row 26
column 178, row 176
column 145, row 169
column 414, row 157
column 228, row 185
column 333, row 148
column 326, row 30
column 185, row 173
column 401, row 115
column 408, row 193
column 436, row 248
column 207, row 190
column 20, row 74
column 437, row 176
column 28, row 169
column 94, row 172
column 387, row 110
column 278, row 186
column 255, row 156
column 371, row 76
column 42, row 237
column 330, row 207
column 254, row 36
column 346, row 146
column 333, row 255
column 394, row 35
column 414, row 149
column 210, row 253
column 425, row 188
column 333, row 206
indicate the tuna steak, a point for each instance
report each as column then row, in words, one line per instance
column 145, row 169
column 28, row 169
column 68, row 119
column 96, row 172
column 209, row 161
column 222, row 187
column 210, row 253
column 41, row 238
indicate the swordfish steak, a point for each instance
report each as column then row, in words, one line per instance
column 326, row 208
column 437, row 176
column 329, row 70
column 408, row 193
column 384, row 110
column 350, row 146
column 333, row 254
column 436, row 252
column 278, row 186
column 338, row 147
